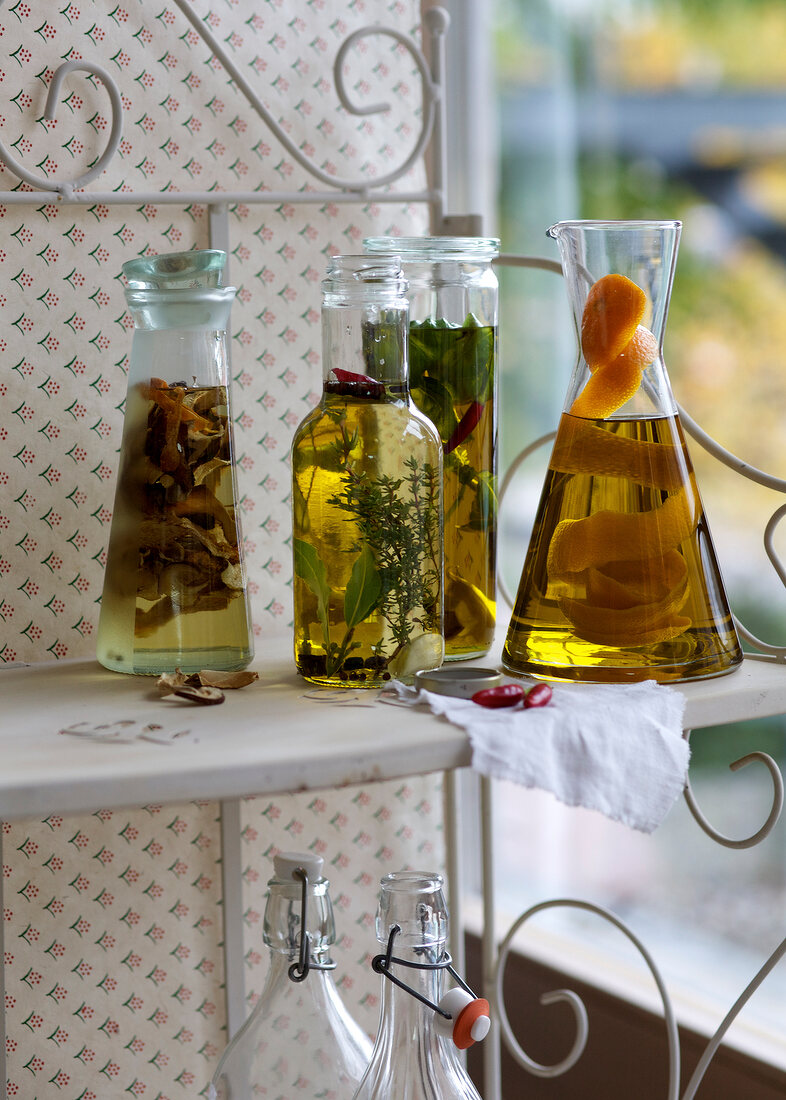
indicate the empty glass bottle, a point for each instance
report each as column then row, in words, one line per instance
column 174, row 587
column 620, row 581
column 413, row 1059
column 366, row 495
column 453, row 352
column 300, row 1042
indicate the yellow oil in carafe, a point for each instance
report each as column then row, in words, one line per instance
column 621, row 582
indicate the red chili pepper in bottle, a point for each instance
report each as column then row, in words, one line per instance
column 467, row 424
column 348, row 383
column 539, row 696
column 505, row 695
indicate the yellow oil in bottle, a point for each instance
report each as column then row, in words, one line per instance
column 620, row 581
column 366, row 541
column 452, row 378
column 174, row 590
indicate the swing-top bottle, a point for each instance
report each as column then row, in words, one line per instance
column 300, row 1042
column 413, row 1058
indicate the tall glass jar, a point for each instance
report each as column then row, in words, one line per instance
column 174, row 587
column 366, row 495
column 453, row 351
column 300, row 1042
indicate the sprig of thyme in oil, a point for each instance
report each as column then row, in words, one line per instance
column 401, row 529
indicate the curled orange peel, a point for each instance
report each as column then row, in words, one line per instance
column 626, row 584
column 612, row 311
column 607, row 390
column 605, row 536
column 639, row 626
column 585, row 448
column 615, row 345
column 635, row 579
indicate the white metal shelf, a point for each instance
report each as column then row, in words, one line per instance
column 270, row 737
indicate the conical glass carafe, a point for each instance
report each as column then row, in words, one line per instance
column 620, row 582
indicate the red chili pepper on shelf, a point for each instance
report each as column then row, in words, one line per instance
column 505, row 695
column 539, row 696
column 467, row 424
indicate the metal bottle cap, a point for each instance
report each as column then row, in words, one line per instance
column 461, row 682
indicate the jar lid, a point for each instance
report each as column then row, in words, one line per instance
column 435, row 248
column 461, row 682
column 286, row 863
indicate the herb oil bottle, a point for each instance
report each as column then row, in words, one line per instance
column 453, row 353
column 366, row 495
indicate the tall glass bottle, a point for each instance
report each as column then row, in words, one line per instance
column 300, row 1042
column 620, row 581
column 174, row 587
column 453, row 351
column 366, row 495
column 412, row 1060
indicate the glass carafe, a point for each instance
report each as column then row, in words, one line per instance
column 453, row 353
column 300, row 1042
column 620, row 581
column 174, row 587
column 413, row 1059
column 366, row 495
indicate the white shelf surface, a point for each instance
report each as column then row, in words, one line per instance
column 274, row 735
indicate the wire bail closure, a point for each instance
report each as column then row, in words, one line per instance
column 460, row 1014
column 298, row 971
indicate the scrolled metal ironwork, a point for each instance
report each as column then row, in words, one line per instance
column 575, row 1002
column 772, row 818
column 67, row 187
column 436, row 21
column 431, row 96
column 711, row 1049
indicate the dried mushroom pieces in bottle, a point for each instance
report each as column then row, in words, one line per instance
column 189, row 560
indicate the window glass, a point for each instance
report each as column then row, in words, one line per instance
column 658, row 109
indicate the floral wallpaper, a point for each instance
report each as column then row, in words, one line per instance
column 112, row 921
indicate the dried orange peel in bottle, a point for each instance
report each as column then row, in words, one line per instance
column 633, row 595
column 579, row 544
column 584, row 448
column 613, row 310
column 615, row 345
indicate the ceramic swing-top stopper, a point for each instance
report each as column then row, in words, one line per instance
column 469, row 1017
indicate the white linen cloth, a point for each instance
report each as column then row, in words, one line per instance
column 615, row 748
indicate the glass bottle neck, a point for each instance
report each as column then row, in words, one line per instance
column 401, row 1011
column 364, row 351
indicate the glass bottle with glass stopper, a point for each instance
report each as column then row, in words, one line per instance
column 366, row 495
column 420, row 1031
column 300, row 1042
column 174, row 587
